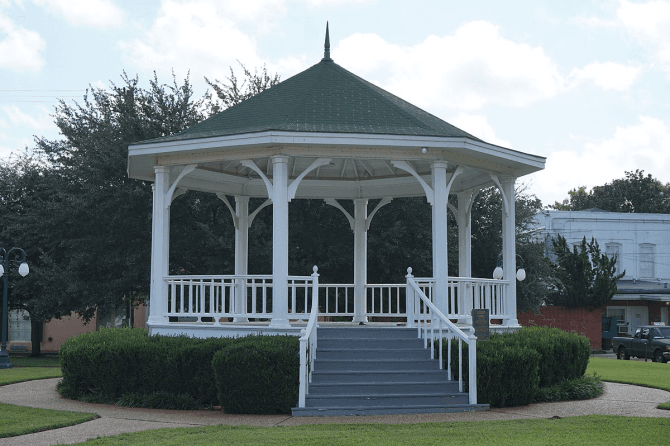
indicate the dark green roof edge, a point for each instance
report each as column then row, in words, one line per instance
column 324, row 98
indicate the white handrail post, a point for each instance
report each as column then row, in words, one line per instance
column 315, row 303
column 303, row 368
column 449, row 355
column 472, row 367
column 409, row 297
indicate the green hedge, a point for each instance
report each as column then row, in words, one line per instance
column 506, row 375
column 511, row 367
column 112, row 363
column 565, row 356
column 258, row 375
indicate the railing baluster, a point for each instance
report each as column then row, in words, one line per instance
column 265, row 297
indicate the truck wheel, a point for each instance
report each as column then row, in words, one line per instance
column 622, row 354
column 658, row 357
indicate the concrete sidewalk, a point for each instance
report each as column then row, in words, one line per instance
column 618, row 399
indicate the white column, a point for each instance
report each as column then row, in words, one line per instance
column 440, row 266
column 509, row 249
column 160, row 248
column 464, row 234
column 241, row 254
column 280, row 242
column 465, row 250
column 360, row 258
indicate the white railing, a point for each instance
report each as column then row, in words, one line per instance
column 433, row 325
column 385, row 300
column 336, row 299
column 465, row 294
column 208, row 298
column 194, row 298
column 308, row 341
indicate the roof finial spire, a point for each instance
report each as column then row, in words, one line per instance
column 326, row 46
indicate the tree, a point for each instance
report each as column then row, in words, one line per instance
column 635, row 193
column 586, row 276
column 487, row 244
column 231, row 92
column 85, row 226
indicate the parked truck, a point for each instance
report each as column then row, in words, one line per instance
column 649, row 341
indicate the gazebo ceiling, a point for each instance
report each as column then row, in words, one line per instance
column 326, row 112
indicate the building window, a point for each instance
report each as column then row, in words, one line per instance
column 612, row 250
column 647, row 270
column 620, row 314
column 19, row 326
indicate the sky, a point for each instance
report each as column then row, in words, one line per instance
column 583, row 83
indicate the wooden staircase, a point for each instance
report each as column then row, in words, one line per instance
column 378, row 371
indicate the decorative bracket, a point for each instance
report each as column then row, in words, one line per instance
column 236, row 218
column 268, row 184
column 185, row 171
column 457, row 172
column 333, row 202
column 179, row 192
column 453, row 210
column 384, row 201
column 494, row 178
column 474, row 193
column 293, row 187
column 404, row 165
column 258, row 209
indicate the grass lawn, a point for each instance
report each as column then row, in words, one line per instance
column 640, row 373
column 17, row 375
column 19, row 420
column 591, row 430
column 28, row 361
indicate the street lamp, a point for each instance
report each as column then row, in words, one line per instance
column 498, row 272
column 20, row 258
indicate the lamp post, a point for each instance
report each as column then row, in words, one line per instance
column 498, row 272
column 20, row 258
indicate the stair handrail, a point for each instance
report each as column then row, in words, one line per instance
column 308, row 342
column 432, row 312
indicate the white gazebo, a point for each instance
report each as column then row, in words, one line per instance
column 324, row 133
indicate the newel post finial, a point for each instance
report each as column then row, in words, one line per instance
column 326, row 46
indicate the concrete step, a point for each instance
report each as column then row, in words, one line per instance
column 370, row 354
column 349, row 343
column 373, row 376
column 384, row 400
column 389, row 410
column 375, row 364
column 366, row 333
column 376, row 371
column 356, row 388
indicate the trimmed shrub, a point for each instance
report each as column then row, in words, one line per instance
column 258, row 375
column 506, row 375
column 586, row 387
column 110, row 363
column 565, row 356
column 511, row 367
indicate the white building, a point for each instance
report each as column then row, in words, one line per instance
column 641, row 243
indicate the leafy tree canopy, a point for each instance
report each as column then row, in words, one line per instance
column 487, row 244
column 586, row 276
column 231, row 91
column 635, row 193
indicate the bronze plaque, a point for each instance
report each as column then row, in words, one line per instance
column 480, row 322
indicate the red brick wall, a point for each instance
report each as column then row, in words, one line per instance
column 585, row 321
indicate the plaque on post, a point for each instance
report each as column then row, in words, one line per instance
column 480, row 322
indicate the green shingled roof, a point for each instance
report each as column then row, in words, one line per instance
column 324, row 98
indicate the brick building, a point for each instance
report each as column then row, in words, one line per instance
column 641, row 243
